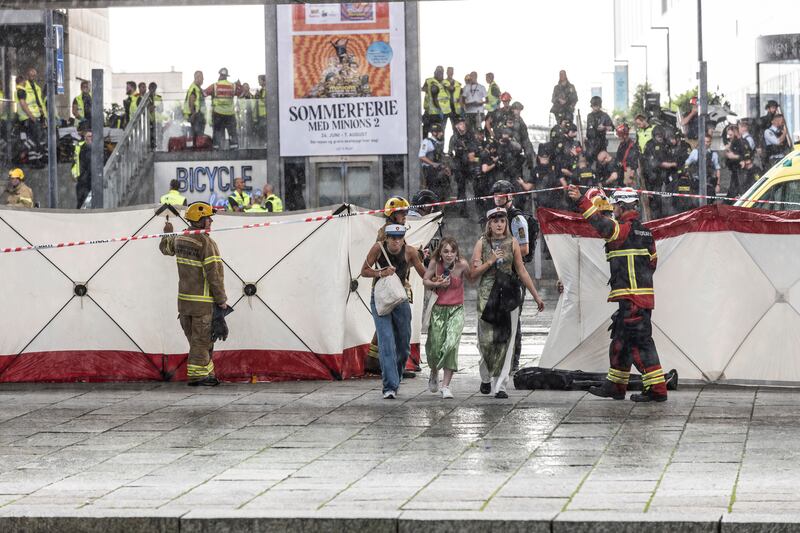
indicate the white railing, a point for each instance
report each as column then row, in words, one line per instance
column 124, row 165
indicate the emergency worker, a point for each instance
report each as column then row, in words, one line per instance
column 627, row 155
column 174, row 197
column 435, row 173
column 609, row 173
column 194, row 105
column 503, row 112
column 272, row 203
column 775, row 144
column 131, row 101
column 564, row 98
column 712, row 167
column 261, row 109
column 239, row 200
column 463, row 154
column 436, row 105
column 657, row 166
column 519, row 131
column 644, row 131
column 631, row 253
column 201, row 286
column 223, row 114
column 82, row 169
column 454, row 89
column 736, row 151
column 492, row 94
column 17, row 193
column 31, row 108
column 598, row 123
column 82, row 106
column 257, row 205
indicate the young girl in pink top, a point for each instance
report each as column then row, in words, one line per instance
column 445, row 276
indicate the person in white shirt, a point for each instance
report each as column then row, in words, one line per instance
column 474, row 95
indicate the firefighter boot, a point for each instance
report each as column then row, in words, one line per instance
column 654, row 386
column 608, row 390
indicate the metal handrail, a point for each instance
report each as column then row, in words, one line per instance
column 128, row 156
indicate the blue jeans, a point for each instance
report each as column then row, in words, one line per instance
column 394, row 342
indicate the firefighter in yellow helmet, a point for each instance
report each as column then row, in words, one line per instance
column 201, row 286
column 17, row 193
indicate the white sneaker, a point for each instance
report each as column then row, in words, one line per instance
column 433, row 381
column 446, row 394
column 389, row 395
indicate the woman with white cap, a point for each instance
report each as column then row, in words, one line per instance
column 391, row 256
column 497, row 261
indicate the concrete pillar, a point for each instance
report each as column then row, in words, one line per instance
column 98, row 148
column 274, row 174
column 413, row 97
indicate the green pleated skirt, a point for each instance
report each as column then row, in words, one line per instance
column 444, row 336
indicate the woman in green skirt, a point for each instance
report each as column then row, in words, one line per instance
column 495, row 252
column 445, row 276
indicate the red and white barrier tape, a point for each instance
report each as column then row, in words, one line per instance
column 324, row 218
column 321, row 218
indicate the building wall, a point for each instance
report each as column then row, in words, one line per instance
column 729, row 34
column 170, row 84
column 88, row 48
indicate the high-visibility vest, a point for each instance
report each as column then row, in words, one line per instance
column 199, row 100
column 643, row 136
column 222, row 98
column 443, row 98
column 173, row 197
column 455, row 95
column 76, row 164
column 242, row 200
column 261, row 102
column 492, row 101
column 156, row 113
column 275, row 203
column 33, row 97
column 255, row 208
column 81, row 109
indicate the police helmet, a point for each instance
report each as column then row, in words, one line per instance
column 545, row 150
column 424, row 196
column 596, row 101
column 502, row 187
column 436, row 128
column 658, row 131
column 517, row 105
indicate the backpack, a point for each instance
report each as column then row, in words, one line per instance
column 533, row 231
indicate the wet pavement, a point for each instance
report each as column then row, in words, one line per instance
column 334, row 456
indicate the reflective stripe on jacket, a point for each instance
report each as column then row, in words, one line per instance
column 201, row 281
column 631, row 254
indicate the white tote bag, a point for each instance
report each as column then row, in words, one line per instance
column 389, row 291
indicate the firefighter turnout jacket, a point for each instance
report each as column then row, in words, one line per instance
column 20, row 196
column 630, row 251
column 201, row 282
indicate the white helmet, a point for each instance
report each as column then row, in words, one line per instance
column 626, row 195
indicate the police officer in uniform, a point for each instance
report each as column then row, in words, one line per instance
column 82, row 168
column 436, row 105
column 174, row 197
column 609, row 173
column 712, row 167
column 201, row 286
column 463, row 154
column 656, row 165
column 272, row 202
column 631, row 253
column 434, row 170
column 775, row 144
column 598, row 123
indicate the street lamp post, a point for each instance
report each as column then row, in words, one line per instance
column 646, row 69
column 669, row 92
